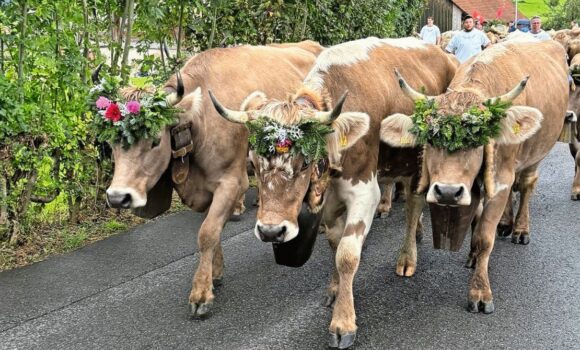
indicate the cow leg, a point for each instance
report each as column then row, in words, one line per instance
column 527, row 185
column 217, row 269
column 208, row 241
column 472, row 252
column 333, row 219
column 414, row 203
column 385, row 204
column 480, row 297
column 576, row 184
column 240, row 208
column 361, row 201
column 506, row 224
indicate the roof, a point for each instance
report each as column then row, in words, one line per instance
column 489, row 8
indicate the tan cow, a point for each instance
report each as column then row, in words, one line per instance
column 364, row 69
column 527, row 133
column 573, row 112
column 212, row 149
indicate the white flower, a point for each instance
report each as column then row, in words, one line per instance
column 96, row 88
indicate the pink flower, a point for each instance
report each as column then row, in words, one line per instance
column 103, row 102
column 113, row 113
column 133, row 107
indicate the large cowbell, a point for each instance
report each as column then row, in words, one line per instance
column 450, row 224
column 296, row 252
column 158, row 198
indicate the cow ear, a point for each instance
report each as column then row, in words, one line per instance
column 349, row 127
column 395, row 131
column 253, row 101
column 519, row 124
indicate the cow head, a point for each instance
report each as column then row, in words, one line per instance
column 574, row 100
column 449, row 173
column 139, row 167
column 286, row 170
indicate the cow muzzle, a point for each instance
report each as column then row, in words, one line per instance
column 448, row 194
column 278, row 233
column 124, row 198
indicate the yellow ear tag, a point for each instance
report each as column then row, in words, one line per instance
column 516, row 128
column 343, row 140
column 405, row 140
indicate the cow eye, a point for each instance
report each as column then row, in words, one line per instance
column 304, row 166
column 156, row 142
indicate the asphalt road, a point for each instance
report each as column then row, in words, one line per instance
column 130, row 291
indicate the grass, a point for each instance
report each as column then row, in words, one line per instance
column 532, row 8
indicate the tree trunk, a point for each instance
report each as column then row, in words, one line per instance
column 162, row 56
column 118, row 50
column 74, row 207
column 179, row 30
column 1, row 56
column 21, row 49
column 85, row 41
column 213, row 27
column 127, row 49
column 3, row 200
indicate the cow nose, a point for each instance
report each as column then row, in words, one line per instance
column 448, row 194
column 570, row 116
column 119, row 200
column 272, row 233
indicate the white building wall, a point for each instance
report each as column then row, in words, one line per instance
column 456, row 21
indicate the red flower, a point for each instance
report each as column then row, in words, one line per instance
column 113, row 113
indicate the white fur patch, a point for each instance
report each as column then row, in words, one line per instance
column 197, row 103
column 137, row 200
column 489, row 55
column 351, row 52
column 361, row 200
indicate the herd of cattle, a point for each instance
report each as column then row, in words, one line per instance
column 223, row 88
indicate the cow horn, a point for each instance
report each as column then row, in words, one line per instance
column 95, row 75
column 329, row 117
column 409, row 91
column 174, row 98
column 233, row 116
column 512, row 95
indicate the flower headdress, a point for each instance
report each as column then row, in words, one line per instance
column 127, row 115
column 474, row 128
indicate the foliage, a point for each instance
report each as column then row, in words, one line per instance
column 49, row 150
column 472, row 129
column 308, row 138
column 151, row 114
column 561, row 13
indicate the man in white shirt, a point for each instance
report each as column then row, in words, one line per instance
column 430, row 32
column 468, row 42
column 537, row 31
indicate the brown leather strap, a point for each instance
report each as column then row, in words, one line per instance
column 181, row 143
column 181, row 146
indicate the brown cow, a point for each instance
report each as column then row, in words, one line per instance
column 528, row 132
column 213, row 150
column 572, row 114
column 363, row 67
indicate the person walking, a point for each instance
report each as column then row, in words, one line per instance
column 536, row 30
column 468, row 42
column 430, row 32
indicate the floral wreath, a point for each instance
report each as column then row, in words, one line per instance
column 143, row 116
column 471, row 129
column 268, row 137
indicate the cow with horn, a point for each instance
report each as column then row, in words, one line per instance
column 478, row 133
column 321, row 147
column 202, row 156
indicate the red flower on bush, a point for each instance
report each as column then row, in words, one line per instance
column 113, row 113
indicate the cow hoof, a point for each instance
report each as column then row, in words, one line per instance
column 477, row 306
column 470, row 263
column 343, row 341
column 504, row 230
column 521, row 238
column 200, row 310
column 328, row 300
column 419, row 236
column 217, row 282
